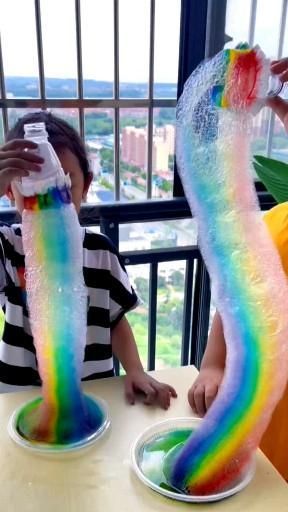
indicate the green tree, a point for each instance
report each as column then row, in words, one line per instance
column 177, row 278
column 105, row 183
column 176, row 316
column 165, row 185
column 98, row 123
column 137, row 122
column 134, row 169
column 159, row 244
column 107, row 159
column 165, row 116
column 142, row 287
column 161, row 282
column 107, row 154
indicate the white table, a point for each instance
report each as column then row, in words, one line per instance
column 101, row 478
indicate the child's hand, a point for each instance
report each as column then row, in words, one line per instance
column 280, row 68
column 204, row 390
column 155, row 392
column 278, row 105
column 16, row 162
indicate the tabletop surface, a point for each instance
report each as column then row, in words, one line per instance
column 101, row 479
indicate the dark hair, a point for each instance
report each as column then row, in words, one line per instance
column 61, row 135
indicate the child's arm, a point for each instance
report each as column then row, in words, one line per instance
column 205, row 388
column 136, row 380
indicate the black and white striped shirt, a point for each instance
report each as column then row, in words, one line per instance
column 110, row 296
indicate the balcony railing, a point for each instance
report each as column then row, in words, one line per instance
column 196, row 309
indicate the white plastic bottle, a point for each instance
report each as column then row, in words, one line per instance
column 51, row 173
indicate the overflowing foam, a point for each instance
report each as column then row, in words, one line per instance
column 249, row 287
column 57, row 301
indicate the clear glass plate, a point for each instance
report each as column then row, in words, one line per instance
column 53, row 449
column 150, row 472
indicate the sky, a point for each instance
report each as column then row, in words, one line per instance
column 18, row 37
column 268, row 16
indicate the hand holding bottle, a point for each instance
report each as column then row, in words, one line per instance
column 16, row 160
column 279, row 105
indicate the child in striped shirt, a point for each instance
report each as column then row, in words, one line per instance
column 110, row 295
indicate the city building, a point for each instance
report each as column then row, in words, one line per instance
column 160, row 155
column 169, row 137
column 134, row 147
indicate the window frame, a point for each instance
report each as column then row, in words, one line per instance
column 80, row 102
column 202, row 34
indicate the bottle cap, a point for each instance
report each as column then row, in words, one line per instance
column 33, row 130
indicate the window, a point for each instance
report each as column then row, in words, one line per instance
column 111, row 71
column 261, row 24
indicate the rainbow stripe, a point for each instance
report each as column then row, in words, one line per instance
column 57, row 301
column 52, row 198
column 249, row 287
column 240, row 85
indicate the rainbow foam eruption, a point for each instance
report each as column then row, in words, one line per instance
column 57, row 301
column 243, row 85
column 249, row 287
